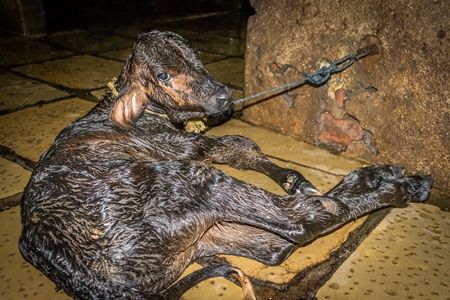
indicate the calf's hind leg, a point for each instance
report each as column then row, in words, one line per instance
column 248, row 241
column 276, row 225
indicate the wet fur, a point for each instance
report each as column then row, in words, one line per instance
column 123, row 202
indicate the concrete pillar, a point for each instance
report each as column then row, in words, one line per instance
column 393, row 107
column 24, row 17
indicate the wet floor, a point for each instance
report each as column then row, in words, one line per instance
column 46, row 83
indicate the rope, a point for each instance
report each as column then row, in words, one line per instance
column 320, row 76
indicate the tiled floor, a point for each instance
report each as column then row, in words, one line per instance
column 47, row 83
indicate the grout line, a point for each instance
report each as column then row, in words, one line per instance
column 10, row 201
column 193, row 17
column 303, row 165
column 9, row 154
column 36, row 104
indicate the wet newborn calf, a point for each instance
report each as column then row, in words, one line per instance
column 123, row 202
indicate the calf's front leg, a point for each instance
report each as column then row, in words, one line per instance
column 244, row 154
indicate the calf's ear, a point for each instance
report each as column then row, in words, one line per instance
column 128, row 108
column 132, row 98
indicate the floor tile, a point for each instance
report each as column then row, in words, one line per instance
column 8, row 37
column 19, row 279
column 78, row 72
column 237, row 94
column 223, row 24
column 229, row 71
column 121, row 55
column 13, row 178
column 31, row 131
column 19, row 92
column 282, row 146
column 214, row 288
column 132, row 31
column 405, row 257
column 91, row 42
column 100, row 93
column 207, row 57
column 23, row 52
column 219, row 44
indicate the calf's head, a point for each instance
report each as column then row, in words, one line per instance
column 163, row 73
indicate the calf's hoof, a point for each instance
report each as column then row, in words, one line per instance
column 295, row 184
column 410, row 189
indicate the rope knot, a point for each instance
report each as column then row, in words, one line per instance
column 320, row 76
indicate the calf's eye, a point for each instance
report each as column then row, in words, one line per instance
column 163, row 76
column 375, row 181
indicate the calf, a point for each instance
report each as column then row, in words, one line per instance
column 123, row 202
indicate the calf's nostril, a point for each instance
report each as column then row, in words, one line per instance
column 223, row 99
column 398, row 172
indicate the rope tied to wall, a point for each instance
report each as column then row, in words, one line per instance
column 322, row 75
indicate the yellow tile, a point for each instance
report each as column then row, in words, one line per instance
column 214, row 288
column 405, row 257
column 13, row 178
column 289, row 149
column 210, row 57
column 19, row 279
column 215, row 43
column 90, row 41
column 28, row 51
column 117, row 54
column 229, row 71
column 31, row 131
column 19, row 92
column 78, row 72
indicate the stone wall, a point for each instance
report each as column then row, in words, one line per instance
column 393, row 107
